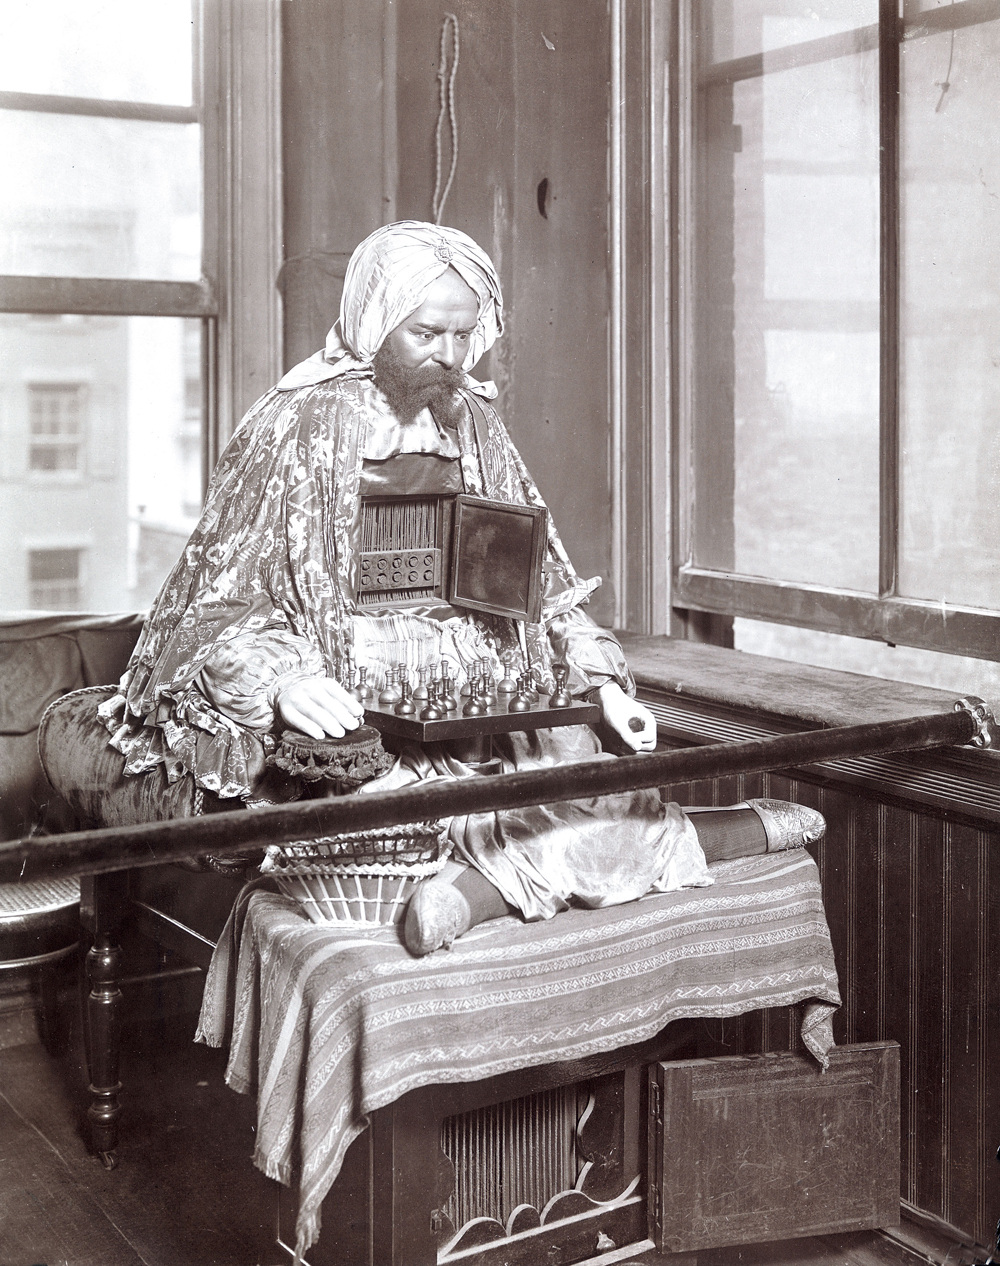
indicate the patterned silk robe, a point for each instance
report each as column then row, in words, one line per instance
column 273, row 558
column 266, row 585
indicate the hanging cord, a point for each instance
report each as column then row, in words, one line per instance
column 446, row 98
column 945, row 83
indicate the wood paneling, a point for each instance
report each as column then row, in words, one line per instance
column 532, row 106
column 337, row 154
column 910, row 897
column 749, row 1149
column 359, row 110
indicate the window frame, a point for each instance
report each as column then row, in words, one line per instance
column 655, row 199
column 237, row 94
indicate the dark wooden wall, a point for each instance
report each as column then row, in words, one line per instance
column 912, row 899
column 360, row 108
column 335, row 164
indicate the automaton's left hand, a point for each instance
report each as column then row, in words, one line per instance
column 628, row 718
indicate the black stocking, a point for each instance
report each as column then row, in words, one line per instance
column 726, row 833
column 484, row 900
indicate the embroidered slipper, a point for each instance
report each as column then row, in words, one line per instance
column 437, row 913
column 787, row 825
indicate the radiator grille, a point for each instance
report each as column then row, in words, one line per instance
column 519, row 1152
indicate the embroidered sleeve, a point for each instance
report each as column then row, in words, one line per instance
column 244, row 674
column 592, row 653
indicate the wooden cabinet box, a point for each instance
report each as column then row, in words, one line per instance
column 768, row 1147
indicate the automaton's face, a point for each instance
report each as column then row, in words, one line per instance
column 439, row 331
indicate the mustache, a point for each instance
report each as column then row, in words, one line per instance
column 431, row 376
column 389, row 371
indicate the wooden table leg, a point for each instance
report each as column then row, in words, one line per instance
column 102, row 910
column 104, row 1023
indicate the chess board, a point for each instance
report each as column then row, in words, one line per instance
column 496, row 720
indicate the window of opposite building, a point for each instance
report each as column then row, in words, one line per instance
column 55, row 579
column 57, row 425
column 118, row 244
column 837, row 305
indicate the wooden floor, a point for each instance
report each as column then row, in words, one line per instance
column 185, row 1192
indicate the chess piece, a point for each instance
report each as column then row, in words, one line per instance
column 560, row 696
column 405, row 707
column 528, row 688
column 446, row 689
column 475, row 706
column 446, row 694
column 390, row 692
column 522, row 700
column 507, row 684
column 432, row 710
column 362, row 691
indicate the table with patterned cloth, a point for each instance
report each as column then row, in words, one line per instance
column 327, row 1024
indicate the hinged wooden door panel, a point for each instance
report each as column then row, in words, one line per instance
column 767, row 1147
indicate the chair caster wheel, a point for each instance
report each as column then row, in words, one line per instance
column 108, row 1159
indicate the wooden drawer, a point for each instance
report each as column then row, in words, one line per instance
column 768, row 1147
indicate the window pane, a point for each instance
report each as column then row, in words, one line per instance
column 122, row 50
column 873, row 659
column 96, row 197
column 100, row 458
column 950, row 383
column 54, row 564
column 786, row 342
column 740, row 28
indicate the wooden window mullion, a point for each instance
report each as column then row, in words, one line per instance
column 889, row 39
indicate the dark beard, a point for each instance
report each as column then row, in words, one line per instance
column 411, row 390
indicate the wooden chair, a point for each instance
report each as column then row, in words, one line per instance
column 181, row 908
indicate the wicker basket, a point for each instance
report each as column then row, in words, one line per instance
column 365, row 878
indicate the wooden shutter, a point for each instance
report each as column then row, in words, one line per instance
column 768, row 1147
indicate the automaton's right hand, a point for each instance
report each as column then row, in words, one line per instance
column 318, row 706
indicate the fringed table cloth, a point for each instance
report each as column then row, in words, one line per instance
column 326, row 1024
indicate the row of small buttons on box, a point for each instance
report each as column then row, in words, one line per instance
column 391, row 569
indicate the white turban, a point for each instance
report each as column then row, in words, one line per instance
column 387, row 279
